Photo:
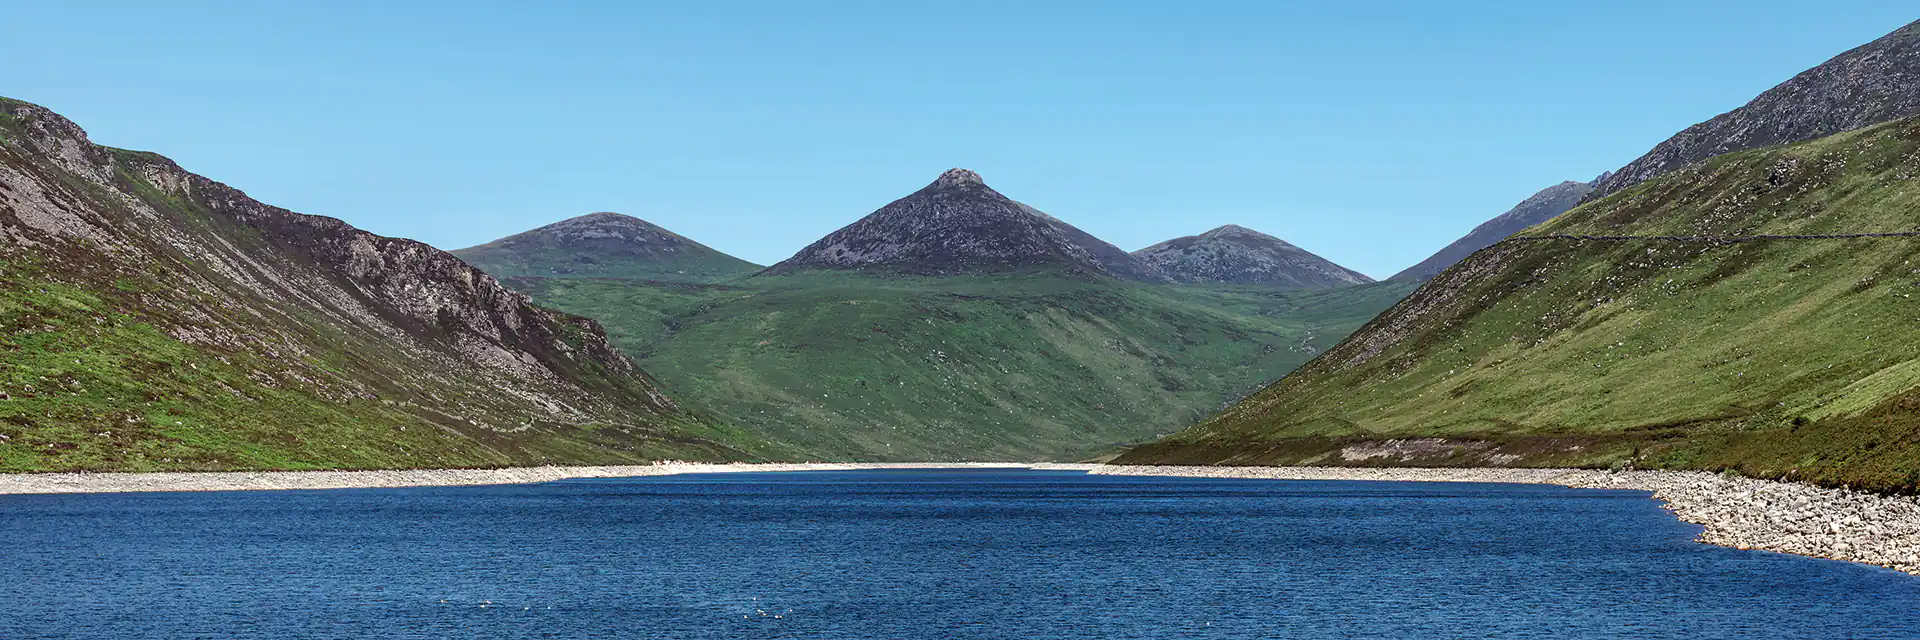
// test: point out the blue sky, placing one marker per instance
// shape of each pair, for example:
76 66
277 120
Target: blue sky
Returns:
1371 133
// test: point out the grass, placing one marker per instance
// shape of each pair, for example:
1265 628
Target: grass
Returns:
1776 358
142 331
840 366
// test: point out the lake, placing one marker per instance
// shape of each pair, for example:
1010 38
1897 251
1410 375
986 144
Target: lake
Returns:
913 554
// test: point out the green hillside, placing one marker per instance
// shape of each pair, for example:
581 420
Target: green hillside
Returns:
153 319
1705 348
847 366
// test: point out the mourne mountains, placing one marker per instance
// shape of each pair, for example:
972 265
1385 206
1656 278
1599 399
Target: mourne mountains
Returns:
956 323
1718 304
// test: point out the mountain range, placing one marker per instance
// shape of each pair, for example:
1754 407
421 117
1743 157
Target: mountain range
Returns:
957 323
1736 299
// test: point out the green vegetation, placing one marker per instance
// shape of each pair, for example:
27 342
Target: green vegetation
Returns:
88 385
148 327
842 366
1773 357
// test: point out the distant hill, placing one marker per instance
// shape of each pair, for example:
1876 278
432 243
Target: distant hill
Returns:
1237 255
959 226
1754 312
1540 207
605 245
1876 82
155 319
837 365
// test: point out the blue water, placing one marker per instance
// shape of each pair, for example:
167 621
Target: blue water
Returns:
912 554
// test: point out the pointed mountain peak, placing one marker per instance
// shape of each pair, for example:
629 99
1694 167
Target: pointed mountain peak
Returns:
957 178
959 226
1238 255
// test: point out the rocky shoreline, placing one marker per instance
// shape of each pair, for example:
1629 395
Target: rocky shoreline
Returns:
1738 512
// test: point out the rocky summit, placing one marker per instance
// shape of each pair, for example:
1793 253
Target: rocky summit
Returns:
605 245
1540 207
155 319
1237 255
958 225
1874 83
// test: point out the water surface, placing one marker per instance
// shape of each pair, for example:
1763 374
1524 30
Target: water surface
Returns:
910 555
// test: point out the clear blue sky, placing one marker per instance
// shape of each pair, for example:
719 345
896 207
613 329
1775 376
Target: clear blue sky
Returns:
1369 132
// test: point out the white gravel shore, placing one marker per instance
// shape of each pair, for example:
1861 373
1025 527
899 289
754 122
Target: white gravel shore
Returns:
280 480
1737 512
1742 513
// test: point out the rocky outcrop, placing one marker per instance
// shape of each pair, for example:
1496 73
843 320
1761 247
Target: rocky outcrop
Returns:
1237 255
366 325
1540 207
601 245
958 225
1877 82
1743 513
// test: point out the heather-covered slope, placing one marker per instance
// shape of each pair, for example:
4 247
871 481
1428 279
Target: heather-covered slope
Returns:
1876 82
1726 316
605 245
154 319
1237 255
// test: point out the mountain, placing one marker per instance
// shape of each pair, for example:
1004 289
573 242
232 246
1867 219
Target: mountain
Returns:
958 225
956 324
155 319
1541 207
1876 82
1237 255
605 245
1754 312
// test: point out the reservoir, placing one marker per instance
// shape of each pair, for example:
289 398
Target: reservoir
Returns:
902 554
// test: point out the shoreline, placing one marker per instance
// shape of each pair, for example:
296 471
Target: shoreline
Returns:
189 481
1737 512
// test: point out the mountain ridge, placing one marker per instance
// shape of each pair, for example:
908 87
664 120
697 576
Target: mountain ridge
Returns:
1537 208
1873 83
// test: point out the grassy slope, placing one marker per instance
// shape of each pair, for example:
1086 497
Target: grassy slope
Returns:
843 366
1790 357
91 380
